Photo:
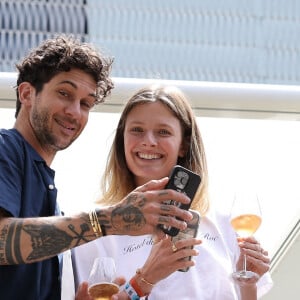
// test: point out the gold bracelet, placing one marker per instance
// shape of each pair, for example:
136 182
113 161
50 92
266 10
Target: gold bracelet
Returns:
99 228
95 223
138 272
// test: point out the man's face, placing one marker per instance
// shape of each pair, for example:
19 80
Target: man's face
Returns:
59 113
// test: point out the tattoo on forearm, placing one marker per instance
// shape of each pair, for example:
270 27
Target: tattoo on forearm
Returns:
17 241
103 220
9 244
46 240
80 236
3 236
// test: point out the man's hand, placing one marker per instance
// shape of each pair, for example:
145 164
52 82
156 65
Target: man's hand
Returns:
143 209
82 292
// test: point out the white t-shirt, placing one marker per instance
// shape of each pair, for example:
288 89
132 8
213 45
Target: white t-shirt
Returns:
209 279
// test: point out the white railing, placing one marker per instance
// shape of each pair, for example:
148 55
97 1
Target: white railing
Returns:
210 99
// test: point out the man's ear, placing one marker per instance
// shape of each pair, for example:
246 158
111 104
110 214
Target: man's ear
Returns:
26 93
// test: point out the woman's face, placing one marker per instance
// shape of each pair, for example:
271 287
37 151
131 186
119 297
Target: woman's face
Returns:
152 141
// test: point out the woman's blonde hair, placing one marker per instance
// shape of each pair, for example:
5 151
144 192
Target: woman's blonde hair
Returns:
118 180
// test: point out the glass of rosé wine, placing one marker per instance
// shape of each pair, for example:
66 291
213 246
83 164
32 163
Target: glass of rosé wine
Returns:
245 218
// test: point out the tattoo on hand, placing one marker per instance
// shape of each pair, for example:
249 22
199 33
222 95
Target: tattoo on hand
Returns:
136 199
128 218
165 207
163 220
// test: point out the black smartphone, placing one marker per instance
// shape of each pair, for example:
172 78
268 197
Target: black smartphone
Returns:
184 181
189 232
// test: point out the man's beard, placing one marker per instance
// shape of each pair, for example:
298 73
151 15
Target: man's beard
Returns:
47 140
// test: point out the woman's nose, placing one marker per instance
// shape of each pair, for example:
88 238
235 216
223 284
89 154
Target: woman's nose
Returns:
149 139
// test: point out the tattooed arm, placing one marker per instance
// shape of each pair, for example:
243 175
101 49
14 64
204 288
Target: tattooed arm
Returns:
27 240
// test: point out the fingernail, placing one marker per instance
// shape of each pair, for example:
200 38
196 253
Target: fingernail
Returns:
191 216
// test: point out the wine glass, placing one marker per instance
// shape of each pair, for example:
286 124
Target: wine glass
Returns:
245 220
101 286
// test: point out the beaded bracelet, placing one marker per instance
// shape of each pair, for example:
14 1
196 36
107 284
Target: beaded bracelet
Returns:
131 292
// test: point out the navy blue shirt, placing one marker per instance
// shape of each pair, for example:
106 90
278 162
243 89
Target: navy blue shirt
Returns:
27 189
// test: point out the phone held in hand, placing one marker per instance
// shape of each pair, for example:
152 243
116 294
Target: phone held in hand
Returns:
189 232
183 181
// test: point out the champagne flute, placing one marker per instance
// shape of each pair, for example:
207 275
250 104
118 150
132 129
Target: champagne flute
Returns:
101 286
245 220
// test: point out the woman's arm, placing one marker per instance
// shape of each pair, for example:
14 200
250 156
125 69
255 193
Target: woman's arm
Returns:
248 292
164 259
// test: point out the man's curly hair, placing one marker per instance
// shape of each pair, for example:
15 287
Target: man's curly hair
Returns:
61 54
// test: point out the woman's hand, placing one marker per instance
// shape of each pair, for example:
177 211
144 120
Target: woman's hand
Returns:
257 262
257 258
120 296
165 258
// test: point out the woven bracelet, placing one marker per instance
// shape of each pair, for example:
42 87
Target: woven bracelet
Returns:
131 292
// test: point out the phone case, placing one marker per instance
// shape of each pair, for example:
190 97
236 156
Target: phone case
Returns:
184 181
190 232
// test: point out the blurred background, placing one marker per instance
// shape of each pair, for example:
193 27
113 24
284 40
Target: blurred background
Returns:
204 40
238 62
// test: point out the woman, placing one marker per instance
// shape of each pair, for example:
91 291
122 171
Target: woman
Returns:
157 130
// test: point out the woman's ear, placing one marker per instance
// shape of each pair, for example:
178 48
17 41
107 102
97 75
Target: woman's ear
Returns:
26 93
183 149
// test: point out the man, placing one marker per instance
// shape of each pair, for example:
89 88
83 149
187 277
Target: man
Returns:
58 84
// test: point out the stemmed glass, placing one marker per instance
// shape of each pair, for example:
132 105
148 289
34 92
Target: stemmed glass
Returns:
101 286
245 220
